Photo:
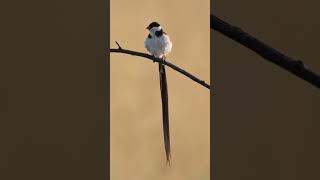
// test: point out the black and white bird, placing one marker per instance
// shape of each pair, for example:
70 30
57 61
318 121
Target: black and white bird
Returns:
159 45
158 42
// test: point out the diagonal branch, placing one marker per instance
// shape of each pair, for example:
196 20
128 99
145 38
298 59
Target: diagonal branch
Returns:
154 59
294 66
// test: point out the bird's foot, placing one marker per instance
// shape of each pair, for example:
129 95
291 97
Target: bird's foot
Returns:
163 59
153 59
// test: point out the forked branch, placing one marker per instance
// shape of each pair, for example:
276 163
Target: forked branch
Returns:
154 59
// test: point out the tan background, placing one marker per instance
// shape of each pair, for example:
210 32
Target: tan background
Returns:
137 150
265 120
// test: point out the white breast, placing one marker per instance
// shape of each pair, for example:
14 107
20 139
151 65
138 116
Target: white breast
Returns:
158 46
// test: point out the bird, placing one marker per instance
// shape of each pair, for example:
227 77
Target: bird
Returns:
158 44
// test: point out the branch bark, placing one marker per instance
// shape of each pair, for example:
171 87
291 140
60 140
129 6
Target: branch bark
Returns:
296 67
154 59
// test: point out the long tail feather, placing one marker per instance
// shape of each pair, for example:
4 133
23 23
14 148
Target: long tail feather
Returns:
165 110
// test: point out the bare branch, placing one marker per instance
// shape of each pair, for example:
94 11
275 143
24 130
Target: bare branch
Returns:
294 66
154 59
119 47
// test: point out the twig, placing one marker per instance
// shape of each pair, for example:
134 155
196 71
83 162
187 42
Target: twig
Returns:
119 47
154 59
294 66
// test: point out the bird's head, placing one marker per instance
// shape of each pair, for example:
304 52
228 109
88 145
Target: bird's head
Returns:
153 27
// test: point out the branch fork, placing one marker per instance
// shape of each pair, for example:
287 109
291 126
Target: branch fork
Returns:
159 60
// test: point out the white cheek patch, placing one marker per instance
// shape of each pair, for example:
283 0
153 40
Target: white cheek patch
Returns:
158 28
154 29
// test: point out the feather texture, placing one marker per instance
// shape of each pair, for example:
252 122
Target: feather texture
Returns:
159 45
165 110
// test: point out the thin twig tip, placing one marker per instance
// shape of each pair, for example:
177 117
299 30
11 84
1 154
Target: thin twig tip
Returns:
119 47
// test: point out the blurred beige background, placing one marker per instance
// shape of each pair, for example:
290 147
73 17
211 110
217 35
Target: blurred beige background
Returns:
137 149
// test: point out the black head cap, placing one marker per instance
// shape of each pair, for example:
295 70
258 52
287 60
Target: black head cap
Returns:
153 24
